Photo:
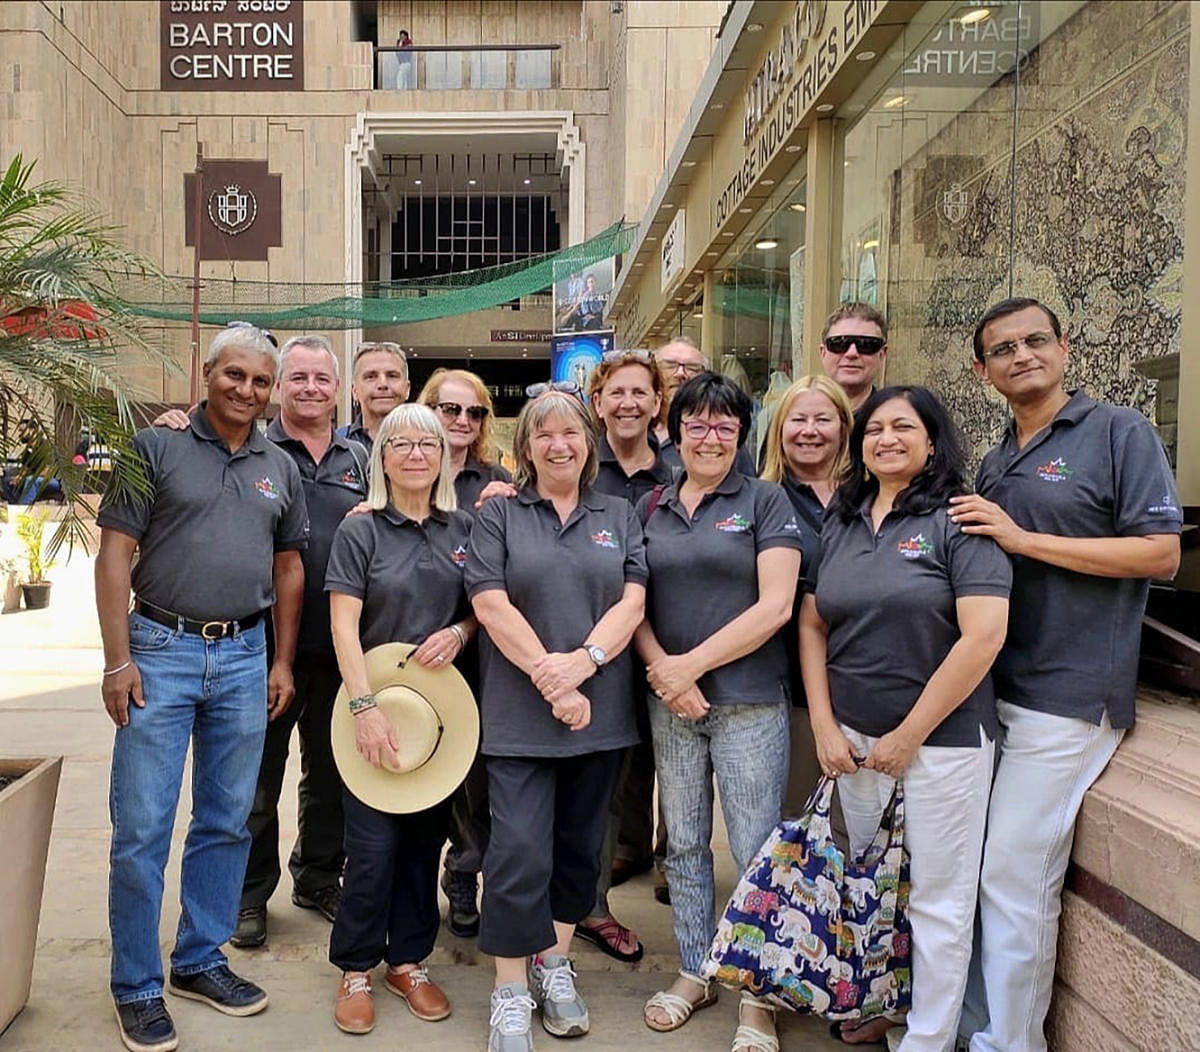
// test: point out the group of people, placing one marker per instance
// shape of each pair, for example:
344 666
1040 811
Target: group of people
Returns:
632 605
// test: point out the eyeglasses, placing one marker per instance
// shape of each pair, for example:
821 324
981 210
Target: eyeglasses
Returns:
698 431
636 354
565 386
865 344
689 369
250 325
452 411
1035 341
429 447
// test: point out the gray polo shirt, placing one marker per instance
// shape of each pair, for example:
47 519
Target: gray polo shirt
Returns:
704 573
1098 470
408 574
889 601
208 535
475 475
810 514
357 433
331 488
562 578
611 477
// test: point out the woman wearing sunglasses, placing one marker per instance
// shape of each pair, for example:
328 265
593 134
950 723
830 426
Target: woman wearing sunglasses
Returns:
464 407
723 551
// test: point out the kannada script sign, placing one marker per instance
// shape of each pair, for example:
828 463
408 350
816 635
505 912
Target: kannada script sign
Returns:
231 45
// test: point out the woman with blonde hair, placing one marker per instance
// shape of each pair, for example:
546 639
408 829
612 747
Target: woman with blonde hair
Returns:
464 406
557 577
395 574
807 453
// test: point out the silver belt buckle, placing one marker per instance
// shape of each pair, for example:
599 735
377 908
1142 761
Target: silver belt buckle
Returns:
221 627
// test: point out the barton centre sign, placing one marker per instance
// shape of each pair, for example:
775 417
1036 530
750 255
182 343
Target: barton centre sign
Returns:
231 45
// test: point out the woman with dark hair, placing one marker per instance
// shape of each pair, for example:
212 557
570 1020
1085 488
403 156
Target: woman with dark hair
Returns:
557 577
896 642
724 557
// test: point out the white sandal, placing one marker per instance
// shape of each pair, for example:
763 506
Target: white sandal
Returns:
749 1038
679 1009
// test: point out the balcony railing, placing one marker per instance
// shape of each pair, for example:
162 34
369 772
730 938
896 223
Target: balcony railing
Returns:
484 67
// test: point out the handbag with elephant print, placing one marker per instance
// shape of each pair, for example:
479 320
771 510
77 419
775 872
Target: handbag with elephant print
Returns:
808 930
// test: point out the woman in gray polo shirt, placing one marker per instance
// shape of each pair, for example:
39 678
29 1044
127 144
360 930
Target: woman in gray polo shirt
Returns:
724 557
907 617
395 575
557 577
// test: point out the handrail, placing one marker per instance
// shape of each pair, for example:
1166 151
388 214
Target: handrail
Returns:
470 47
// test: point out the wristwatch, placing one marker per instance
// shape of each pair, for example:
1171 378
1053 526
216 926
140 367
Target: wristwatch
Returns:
596 653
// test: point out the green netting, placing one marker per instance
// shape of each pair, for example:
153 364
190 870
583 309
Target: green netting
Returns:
293 305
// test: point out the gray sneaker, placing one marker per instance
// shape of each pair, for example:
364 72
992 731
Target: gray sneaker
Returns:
512 1011
552 982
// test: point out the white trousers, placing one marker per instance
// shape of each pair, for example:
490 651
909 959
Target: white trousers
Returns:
1046 765
945 808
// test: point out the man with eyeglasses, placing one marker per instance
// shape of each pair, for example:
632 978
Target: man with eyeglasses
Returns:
210 551
680 361
380 383
1081 495
333 475
854 348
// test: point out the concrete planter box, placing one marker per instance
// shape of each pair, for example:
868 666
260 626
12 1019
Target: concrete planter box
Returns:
26 814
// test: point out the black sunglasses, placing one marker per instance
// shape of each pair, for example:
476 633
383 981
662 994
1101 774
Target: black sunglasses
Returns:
865 344
453 410
250 325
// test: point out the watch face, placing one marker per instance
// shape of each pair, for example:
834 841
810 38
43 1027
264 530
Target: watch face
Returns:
597 654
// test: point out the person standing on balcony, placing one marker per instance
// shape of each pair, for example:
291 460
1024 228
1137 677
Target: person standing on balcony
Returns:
405 70
1081 495
210 551
380 383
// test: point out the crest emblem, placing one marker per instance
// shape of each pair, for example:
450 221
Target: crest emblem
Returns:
955 203
232 209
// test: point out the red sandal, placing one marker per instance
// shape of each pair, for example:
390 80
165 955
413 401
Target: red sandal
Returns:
608 935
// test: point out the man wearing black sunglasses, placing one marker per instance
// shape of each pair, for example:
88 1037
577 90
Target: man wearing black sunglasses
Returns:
854 348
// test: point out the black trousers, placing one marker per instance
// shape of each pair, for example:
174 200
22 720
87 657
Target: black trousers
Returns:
389 908
549 816
470 822
316 860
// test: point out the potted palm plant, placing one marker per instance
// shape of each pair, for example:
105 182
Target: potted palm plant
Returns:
31 531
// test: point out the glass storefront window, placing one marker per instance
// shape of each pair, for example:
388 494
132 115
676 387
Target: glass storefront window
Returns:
1023 148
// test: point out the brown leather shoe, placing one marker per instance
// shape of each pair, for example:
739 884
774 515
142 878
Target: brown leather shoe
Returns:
422 995
354 1010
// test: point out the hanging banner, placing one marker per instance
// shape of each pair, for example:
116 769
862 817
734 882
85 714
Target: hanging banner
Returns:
573 357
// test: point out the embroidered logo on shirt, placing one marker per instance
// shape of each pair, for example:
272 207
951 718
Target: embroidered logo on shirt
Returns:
604 539
350 477
915 547
1166 506
267 488
1055 471
734 524
459 555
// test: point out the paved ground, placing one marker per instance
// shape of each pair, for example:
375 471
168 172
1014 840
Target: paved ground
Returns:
50 704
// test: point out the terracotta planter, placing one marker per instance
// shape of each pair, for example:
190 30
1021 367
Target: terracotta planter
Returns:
26 814
37 595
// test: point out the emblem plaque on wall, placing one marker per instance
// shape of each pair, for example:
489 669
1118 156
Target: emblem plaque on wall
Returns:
240 210
955 202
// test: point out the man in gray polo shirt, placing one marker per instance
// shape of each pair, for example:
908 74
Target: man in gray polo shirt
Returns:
380 383
217 543
1080 494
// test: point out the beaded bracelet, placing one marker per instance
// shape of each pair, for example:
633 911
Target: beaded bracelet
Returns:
357 705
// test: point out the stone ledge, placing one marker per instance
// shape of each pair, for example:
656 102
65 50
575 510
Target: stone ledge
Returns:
1139 827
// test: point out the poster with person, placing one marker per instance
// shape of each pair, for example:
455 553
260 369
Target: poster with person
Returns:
581 297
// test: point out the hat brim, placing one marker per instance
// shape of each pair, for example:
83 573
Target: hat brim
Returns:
444 771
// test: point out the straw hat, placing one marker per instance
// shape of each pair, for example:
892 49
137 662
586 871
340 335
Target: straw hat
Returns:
436 719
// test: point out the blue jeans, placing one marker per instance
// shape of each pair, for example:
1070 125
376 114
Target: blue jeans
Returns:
746 747
212 694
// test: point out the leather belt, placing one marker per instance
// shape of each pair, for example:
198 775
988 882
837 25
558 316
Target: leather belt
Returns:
206 629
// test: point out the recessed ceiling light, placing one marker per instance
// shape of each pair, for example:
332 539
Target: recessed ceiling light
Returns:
416 182
754 27
793 148
651 237
767 182
972 17
865 56
745 211
727 233
639 263
717 106
525 181
470 182
825 107
766 244
697 314
895 102
710 253
666 206
687 164
796 206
